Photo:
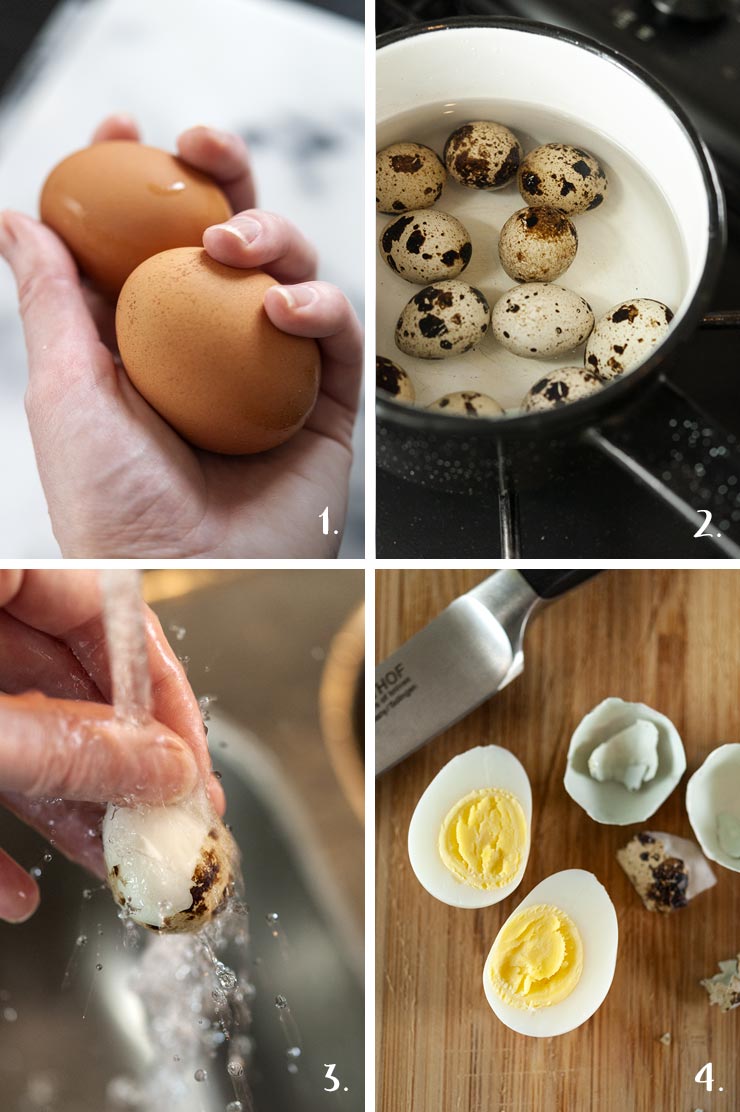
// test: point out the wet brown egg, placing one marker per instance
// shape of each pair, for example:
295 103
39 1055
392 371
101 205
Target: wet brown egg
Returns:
117 203
197 343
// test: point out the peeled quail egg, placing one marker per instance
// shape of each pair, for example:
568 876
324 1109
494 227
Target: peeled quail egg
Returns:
392 379
537 320
559 387
425 246
407 176
467 403
626 335
552 963
537 244
666 871
482 154
713 805
610 768
171 868
470 832
445 319
568 178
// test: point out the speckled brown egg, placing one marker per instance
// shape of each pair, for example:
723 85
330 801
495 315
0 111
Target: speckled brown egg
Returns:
559 387
393 380
537 320
441 320
197 343
565 177
117 203
407 176
426 245
537 244
467 403
482 154
626 336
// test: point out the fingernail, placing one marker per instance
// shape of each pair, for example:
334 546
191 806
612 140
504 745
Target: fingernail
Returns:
246 230
298 297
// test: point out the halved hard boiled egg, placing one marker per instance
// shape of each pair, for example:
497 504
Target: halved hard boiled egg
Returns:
469 836
552 963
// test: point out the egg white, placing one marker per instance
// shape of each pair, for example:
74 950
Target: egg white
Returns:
486 766
580 895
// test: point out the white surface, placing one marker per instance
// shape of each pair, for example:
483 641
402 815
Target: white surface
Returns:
285 75
713 788
648 239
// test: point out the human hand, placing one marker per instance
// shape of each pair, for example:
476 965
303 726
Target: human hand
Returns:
119 481
63 754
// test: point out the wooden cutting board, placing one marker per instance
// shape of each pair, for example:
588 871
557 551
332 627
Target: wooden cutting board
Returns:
670 639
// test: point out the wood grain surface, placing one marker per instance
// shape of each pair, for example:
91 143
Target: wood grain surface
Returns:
670 639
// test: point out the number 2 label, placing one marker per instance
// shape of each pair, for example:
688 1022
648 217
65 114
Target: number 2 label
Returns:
702 530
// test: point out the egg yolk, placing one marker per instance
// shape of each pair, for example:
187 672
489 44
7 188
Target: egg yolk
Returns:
537 959
483 838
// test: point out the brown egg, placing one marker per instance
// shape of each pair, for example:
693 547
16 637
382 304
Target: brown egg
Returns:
115 204
198 345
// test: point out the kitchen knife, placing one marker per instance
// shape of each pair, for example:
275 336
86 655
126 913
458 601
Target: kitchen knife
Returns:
465 655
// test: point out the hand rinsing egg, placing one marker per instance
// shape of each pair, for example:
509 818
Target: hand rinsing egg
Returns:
197 343
552 963
469 836
117 203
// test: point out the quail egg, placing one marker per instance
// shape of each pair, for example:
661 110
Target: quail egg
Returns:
626 335
470 832
713 806
537 244
566 384
552 963
445 319
467 403
407 176
392 379
565 177
482 154
537 320
425 246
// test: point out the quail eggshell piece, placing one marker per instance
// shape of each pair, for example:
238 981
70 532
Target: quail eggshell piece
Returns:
197 343
537 244
626 335
487 766
117 203
467 403
560 387
538 319
482 154
666 871
565 177
586 902
442 320
714 791
408 176
393 380
609 801
425 246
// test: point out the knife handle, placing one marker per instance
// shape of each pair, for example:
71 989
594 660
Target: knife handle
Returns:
552 583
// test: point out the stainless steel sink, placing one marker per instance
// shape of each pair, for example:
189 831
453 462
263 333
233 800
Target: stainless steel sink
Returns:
255 641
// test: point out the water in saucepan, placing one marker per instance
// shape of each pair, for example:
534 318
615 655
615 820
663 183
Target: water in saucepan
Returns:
631 246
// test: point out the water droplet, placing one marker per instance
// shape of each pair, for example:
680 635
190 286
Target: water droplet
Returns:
176 1058
235 1068
87 893
272 917
218 775
99 967
226 977
201 1075
218 996
293 1052
10 1015
234 1106
178 632
46 858
281 1002
81 940
292 1067
35 871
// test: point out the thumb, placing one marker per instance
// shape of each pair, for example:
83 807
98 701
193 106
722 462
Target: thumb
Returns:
79 750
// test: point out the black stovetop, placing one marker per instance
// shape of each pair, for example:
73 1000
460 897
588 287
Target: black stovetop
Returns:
700 64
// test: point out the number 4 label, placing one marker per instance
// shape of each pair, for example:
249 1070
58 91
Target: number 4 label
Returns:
704 1077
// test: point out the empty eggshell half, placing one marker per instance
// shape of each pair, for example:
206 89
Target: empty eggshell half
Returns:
610 801
713 806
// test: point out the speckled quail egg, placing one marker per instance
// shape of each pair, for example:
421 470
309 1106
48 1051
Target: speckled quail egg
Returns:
445 319
425 246
537 320
407 176
467 403
626 335
482 154
537 244
392 379
565 177
566 384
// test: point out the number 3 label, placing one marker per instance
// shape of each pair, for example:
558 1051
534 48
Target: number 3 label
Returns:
329 1075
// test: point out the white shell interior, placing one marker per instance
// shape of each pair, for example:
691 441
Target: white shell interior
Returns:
649 238
609 801
715 787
